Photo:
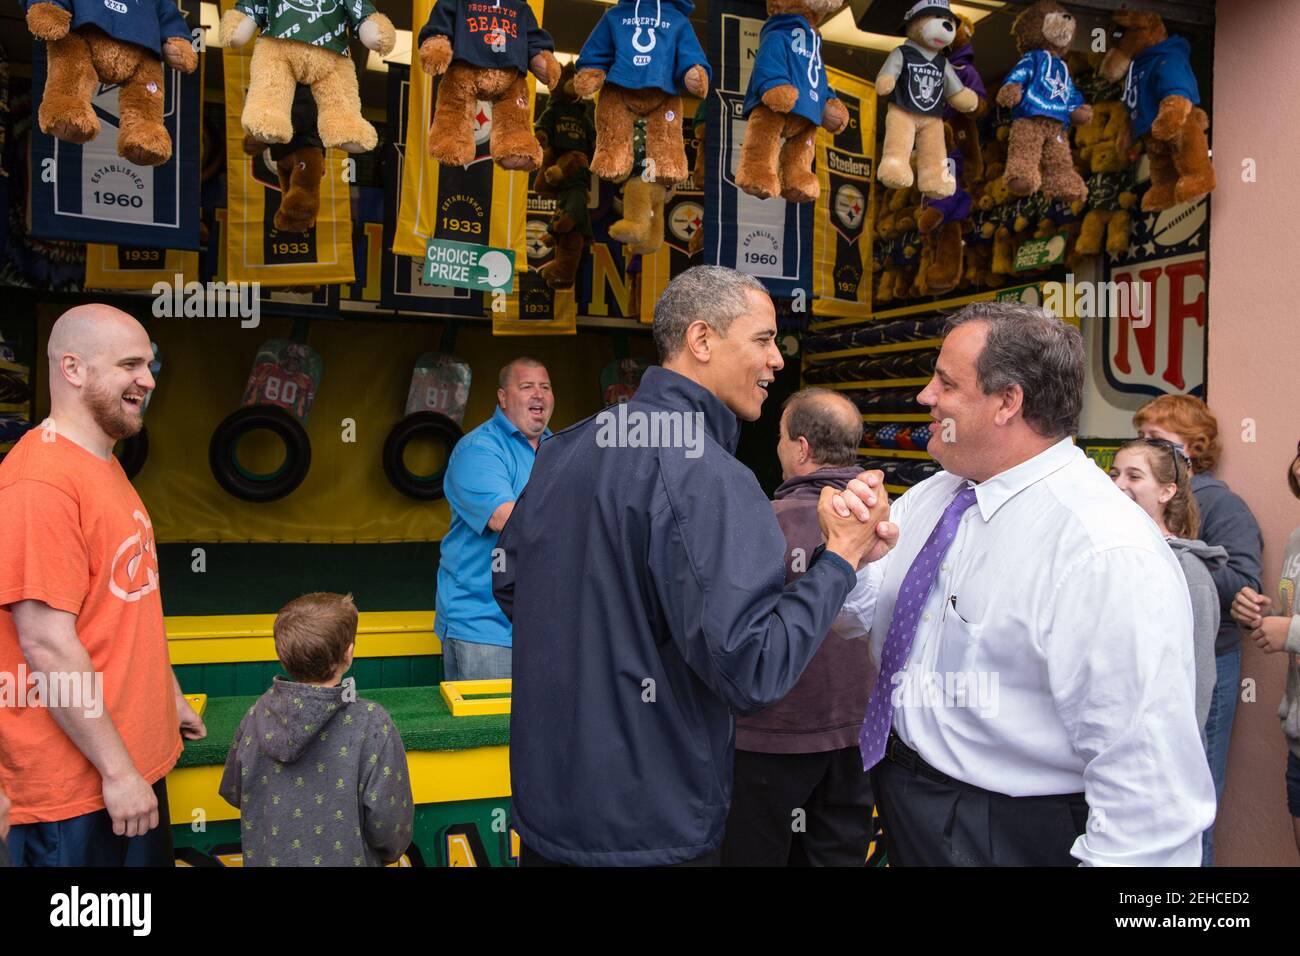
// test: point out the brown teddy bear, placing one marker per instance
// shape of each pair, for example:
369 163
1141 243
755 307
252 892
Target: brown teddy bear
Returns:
787 99
1043 102
299 165
920 79
965 128
642 65
486 51
566 134
88 43
303 44
1161 93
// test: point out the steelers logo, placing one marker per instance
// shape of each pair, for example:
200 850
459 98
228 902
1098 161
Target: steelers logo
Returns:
482 123
533 240
850 206
686 220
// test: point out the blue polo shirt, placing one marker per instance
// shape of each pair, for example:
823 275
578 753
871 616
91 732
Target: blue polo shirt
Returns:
488 467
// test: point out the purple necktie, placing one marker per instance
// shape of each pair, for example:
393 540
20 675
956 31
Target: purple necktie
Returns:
912 596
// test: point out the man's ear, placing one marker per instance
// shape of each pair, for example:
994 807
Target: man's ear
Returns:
1012 402
501 397
698 340
73 369
805 452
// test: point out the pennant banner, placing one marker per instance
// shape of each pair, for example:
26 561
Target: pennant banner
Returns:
89 193
770 238
842 237
136 267
255 250
481 202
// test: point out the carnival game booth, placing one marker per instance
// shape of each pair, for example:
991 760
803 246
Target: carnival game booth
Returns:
328 322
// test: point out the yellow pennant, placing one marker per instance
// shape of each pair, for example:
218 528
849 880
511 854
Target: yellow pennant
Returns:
134 267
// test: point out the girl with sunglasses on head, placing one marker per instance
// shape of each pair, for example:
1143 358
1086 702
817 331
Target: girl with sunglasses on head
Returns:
1156 475
1274 626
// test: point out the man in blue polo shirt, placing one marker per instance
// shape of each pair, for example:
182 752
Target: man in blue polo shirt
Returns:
487 472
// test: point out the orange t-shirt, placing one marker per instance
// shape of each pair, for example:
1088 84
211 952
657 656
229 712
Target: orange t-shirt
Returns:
74 534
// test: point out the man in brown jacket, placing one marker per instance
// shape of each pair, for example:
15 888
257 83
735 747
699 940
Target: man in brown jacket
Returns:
799 795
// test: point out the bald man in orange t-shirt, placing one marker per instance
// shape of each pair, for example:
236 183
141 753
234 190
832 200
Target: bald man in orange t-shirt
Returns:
84 763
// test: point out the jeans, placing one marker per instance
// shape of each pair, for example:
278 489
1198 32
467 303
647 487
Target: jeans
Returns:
89 840
1218 732
468 660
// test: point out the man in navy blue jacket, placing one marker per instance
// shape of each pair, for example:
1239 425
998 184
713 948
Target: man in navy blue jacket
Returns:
644 572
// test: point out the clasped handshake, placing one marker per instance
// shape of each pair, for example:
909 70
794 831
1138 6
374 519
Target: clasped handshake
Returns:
855 521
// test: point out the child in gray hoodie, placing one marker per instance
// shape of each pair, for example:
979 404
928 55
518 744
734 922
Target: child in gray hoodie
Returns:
318 774
1156 475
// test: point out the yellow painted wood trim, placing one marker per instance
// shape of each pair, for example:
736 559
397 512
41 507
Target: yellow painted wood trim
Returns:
898 418
878 383
924 307
437 776
453 694
917 345
241 638
894 453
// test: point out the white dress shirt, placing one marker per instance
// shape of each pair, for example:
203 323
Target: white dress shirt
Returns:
1054 654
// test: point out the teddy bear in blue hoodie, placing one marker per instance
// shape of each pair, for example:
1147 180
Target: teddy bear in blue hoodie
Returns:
642 58
1161 95
787 99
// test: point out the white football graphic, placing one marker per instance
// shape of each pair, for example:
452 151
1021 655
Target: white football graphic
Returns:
1179 223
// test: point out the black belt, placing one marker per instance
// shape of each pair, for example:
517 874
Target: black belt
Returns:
907 758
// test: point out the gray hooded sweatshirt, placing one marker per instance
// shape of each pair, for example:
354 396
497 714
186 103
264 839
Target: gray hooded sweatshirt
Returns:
1287 604
1199 560
318 781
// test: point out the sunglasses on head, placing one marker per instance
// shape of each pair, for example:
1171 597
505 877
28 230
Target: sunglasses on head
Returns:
1175 450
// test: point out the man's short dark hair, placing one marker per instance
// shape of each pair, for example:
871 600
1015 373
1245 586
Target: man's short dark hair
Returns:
716 294
1032 348
830 423
503 377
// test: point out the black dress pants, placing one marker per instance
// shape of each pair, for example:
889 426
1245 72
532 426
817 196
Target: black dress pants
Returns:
930 819
764 827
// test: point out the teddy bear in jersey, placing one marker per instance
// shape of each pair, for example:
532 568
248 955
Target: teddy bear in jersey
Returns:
306 41
642 64
919 80
787 99
89 42
485 51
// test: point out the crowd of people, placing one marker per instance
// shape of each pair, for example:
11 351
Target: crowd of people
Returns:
1022 660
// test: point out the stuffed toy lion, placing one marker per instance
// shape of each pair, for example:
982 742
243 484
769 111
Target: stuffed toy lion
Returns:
308 44
1161 93
485 51
89 42
787 99
641 65
920 79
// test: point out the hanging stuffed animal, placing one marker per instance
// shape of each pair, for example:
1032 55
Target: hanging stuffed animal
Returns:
87 43
299 164
1161 94
486 51
641 227
1044 102
941 222
303 44
567 136
965 126
921 79
698 131
642 65
787 99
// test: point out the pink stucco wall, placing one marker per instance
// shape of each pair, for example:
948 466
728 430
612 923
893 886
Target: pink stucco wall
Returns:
1254 373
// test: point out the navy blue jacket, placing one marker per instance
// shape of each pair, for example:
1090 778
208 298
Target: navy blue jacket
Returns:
145 23
647 590
496 35
1156 72
790 52
1226 521
645 45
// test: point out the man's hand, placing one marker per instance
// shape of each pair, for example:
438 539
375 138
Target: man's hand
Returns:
854 521
1270 636
131 804
192 727
1249 608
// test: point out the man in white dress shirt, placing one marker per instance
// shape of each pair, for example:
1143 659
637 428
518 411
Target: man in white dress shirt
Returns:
1035 703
